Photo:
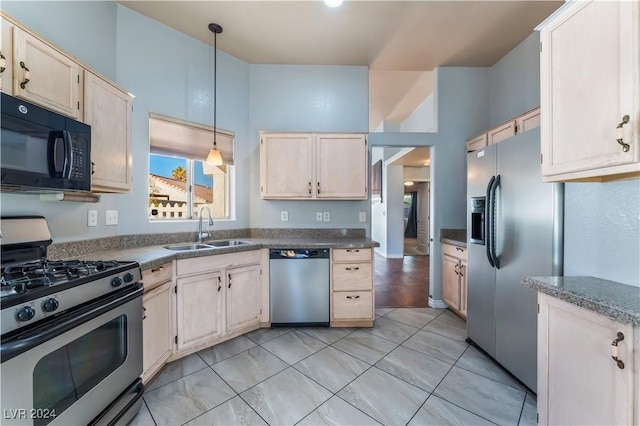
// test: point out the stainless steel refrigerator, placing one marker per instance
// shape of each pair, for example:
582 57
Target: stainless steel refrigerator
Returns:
514 223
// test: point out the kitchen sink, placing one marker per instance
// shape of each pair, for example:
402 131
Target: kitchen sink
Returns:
189 246
228 243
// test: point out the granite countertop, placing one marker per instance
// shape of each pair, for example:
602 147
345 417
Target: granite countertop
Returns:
617 301
155 255
457 237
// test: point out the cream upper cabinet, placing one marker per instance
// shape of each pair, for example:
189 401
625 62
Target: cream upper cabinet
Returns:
313 166
527 121
502 132
286 166
244 297
589 78
579 383
199 308
341 166
6 56
108 112
45 76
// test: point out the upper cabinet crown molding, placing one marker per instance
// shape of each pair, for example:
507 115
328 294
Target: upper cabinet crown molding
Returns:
312 166
589 82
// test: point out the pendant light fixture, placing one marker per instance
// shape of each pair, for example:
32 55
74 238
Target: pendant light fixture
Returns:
215 158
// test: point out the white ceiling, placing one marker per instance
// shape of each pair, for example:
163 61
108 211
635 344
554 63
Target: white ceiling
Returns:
389 36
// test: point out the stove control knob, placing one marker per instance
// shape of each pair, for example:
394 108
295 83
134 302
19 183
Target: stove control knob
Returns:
116 282
128 277
25 314
50 304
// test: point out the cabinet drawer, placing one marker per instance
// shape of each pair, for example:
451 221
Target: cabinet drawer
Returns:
214 262
352 276
351 255
352 305
158 275
454 251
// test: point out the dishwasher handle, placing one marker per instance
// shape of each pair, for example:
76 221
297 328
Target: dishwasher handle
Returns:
291 254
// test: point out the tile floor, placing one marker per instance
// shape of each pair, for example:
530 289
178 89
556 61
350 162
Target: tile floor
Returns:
413 367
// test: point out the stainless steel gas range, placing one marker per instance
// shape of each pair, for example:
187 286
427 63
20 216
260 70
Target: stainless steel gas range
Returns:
71 343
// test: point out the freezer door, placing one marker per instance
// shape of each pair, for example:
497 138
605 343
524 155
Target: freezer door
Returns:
524 245
481 276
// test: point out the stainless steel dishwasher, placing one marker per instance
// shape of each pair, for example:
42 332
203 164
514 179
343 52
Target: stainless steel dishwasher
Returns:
299 281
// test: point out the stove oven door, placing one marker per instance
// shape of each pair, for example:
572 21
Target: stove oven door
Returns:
77 367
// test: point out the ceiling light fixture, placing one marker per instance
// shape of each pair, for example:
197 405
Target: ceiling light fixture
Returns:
333 3
408 183
215 158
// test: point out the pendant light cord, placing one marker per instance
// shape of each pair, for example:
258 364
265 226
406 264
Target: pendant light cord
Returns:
215 87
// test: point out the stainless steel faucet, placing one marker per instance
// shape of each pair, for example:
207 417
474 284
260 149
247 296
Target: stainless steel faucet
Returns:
200 233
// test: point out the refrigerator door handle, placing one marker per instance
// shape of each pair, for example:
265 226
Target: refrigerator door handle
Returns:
488 222
492 237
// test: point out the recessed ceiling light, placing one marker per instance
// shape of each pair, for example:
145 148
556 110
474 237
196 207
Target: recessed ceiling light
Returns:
333 3
408 183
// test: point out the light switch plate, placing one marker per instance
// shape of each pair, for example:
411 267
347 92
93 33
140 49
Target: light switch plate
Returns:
92 218
284 216
112 217
326 216
362 217
318 216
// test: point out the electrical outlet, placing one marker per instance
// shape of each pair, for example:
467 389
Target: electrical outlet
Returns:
112 217
362 217
92 218
326 216
318 216
284 216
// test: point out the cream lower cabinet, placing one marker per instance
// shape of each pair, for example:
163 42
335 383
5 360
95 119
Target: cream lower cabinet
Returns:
218 297
108 112
589 81
454 278
244 297
313 166
579 383
352 296
158 320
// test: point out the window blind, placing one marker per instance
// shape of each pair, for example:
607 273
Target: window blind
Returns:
175 137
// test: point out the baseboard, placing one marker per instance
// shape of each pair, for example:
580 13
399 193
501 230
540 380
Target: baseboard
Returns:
394 256
438 304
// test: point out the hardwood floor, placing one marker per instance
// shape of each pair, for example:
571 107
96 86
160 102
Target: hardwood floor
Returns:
402 282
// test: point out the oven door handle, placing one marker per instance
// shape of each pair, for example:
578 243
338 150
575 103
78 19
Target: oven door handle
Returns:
23 342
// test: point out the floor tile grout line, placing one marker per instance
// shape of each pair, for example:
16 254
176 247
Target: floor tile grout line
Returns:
149 410
489 378
173 381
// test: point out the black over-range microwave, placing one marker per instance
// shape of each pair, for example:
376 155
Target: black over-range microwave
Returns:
42 151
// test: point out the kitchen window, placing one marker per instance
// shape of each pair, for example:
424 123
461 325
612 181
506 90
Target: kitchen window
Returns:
180 181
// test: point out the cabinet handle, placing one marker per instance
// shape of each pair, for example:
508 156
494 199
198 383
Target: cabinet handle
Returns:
229 276
353 269
614 350
309 188
93 167
620 136
219 283
456 269
27 75
318 188
144 313
459 249
3 63
353 297
158 269
353 251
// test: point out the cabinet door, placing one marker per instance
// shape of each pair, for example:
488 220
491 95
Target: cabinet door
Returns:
107 111
286 168
54 79
200 304
157 328
578 381
477 143
6 58
450 282
244 291
527 121
502 132
589 81
462 269
341 162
